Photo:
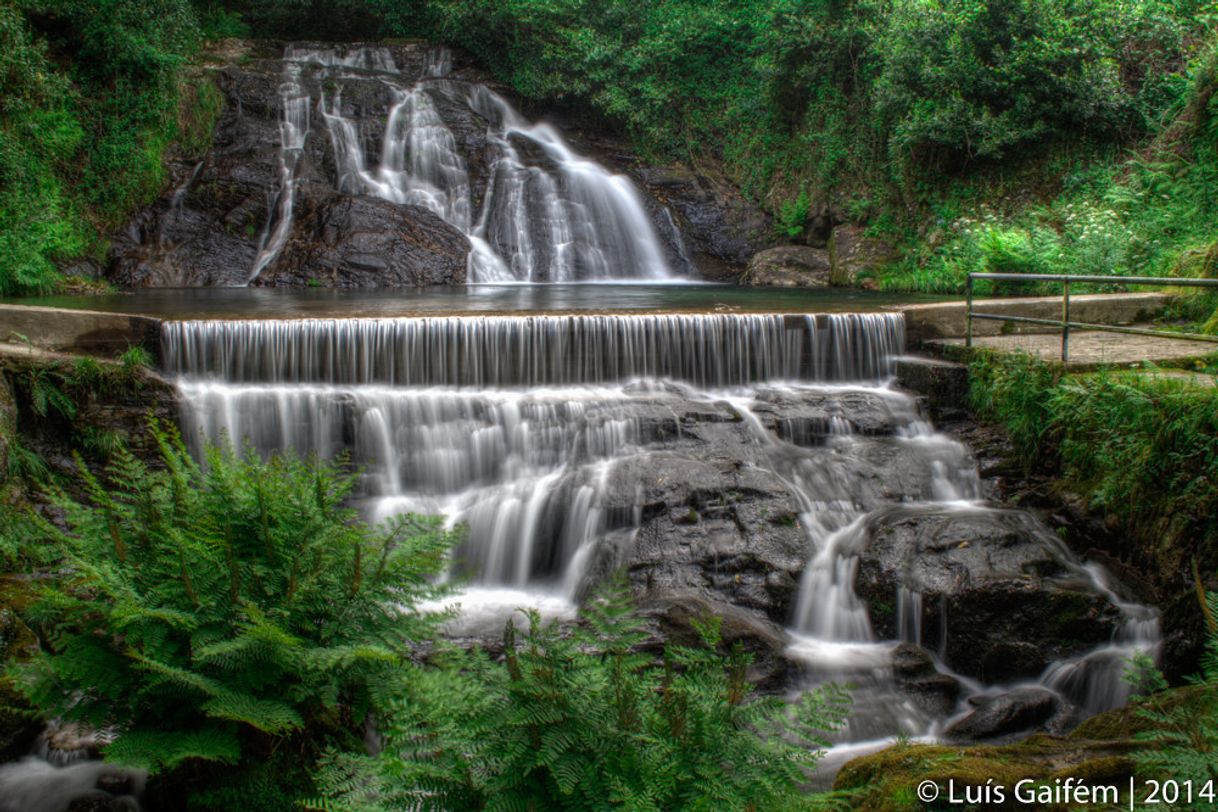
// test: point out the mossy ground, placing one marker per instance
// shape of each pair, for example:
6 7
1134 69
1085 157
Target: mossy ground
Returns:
1098 752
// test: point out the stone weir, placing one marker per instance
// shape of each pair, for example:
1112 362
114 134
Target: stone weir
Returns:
512 351
759 467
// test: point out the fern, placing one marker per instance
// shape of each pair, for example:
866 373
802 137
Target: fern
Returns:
1183 736
215 614
583 718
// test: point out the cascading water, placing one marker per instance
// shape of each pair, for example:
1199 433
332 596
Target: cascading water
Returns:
546 214
524 428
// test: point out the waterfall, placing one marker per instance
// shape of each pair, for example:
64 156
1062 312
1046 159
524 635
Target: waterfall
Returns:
536 435
508 425
548 214
293 130
501 351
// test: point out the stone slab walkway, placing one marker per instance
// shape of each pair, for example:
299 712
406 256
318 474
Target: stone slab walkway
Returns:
1089 350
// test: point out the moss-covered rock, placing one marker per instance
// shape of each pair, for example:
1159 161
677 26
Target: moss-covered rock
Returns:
1100 752
19 722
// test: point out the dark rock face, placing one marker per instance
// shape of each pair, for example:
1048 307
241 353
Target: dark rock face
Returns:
915 674
347 241
209 228
721 228
1016 711
996 580
789 266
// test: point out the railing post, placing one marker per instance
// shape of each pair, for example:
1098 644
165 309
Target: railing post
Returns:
968 315
1065 320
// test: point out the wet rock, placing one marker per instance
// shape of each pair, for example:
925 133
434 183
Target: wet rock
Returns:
855 253
347 241
721 228
1016 711
995 579
806 418
944 384
676 613
712 526
789 266
916 675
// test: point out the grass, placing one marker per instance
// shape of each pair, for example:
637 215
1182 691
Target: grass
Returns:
1141 448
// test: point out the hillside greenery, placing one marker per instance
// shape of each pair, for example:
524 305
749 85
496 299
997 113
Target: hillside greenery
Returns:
973 134
92 94
1143 448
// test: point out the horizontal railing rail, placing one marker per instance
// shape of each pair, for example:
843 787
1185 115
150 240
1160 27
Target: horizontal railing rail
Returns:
1065 323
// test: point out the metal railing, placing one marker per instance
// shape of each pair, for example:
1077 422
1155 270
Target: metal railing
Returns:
1065 323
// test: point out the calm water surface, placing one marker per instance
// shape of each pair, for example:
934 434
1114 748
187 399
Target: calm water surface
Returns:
270 303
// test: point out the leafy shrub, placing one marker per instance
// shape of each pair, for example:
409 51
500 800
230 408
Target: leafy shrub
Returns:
585 720
220 613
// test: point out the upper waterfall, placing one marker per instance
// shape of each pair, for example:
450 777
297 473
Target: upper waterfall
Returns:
539 212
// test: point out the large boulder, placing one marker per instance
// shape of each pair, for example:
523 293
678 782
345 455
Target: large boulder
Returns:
789 266
1013 712
997 581
854 253
348 241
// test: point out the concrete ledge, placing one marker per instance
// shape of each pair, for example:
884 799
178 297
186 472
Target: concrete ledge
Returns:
64 330
924 322
944 384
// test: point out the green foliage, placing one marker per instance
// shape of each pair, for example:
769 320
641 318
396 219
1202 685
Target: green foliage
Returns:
1016 391
793 215
1151 214
585 719
218 613
134 359
89 102
1142 448
1183 739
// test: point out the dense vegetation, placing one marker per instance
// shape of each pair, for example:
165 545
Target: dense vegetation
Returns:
976 134
588 719
1141 448
92 94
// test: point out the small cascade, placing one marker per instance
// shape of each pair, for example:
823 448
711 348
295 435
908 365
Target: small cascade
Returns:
1096 681
293 130
547 214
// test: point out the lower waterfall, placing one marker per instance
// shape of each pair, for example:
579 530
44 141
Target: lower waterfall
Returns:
557 440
